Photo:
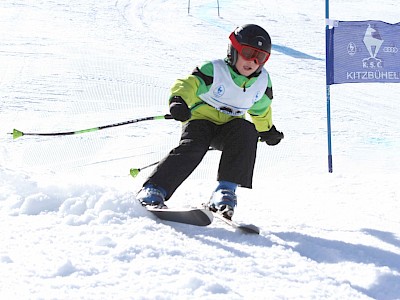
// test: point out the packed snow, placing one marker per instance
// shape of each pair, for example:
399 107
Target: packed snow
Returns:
70 225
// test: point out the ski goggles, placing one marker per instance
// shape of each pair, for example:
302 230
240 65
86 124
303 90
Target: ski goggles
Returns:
248 52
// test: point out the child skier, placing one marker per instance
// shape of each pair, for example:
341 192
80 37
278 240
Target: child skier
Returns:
212 103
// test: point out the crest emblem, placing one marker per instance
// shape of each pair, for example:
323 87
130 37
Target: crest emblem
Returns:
219 91
373 42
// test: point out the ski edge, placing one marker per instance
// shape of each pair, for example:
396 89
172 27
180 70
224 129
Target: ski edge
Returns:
176 215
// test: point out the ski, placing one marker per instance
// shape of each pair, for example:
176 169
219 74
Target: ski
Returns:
192 216
246 228
198 217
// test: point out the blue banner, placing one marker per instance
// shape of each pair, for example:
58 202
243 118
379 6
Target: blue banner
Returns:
363 51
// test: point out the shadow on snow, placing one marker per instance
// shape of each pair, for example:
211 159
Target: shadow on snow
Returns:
321 250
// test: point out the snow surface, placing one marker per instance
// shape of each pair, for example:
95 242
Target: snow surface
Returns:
70 226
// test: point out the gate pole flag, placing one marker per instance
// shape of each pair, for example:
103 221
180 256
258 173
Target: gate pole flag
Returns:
360 52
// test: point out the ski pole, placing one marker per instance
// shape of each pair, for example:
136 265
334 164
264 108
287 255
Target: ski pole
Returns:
18 133
135 171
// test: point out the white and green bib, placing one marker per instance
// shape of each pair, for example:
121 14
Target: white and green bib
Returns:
229 98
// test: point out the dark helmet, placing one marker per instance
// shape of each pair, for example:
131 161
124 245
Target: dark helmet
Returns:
250 35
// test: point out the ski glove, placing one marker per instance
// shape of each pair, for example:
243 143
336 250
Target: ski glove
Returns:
271 137
179 109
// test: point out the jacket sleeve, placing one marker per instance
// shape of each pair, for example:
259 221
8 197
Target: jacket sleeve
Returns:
263 122
187 89
261 111
197 83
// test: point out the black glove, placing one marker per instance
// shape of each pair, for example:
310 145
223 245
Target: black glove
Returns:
271 137
179 109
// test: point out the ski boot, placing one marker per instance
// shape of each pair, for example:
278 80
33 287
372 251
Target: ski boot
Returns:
223 202
150 195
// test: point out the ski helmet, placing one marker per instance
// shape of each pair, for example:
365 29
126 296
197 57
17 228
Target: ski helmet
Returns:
253 36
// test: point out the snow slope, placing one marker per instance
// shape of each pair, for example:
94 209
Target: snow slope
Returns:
70 226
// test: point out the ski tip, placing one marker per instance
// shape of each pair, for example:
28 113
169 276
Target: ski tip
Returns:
251 229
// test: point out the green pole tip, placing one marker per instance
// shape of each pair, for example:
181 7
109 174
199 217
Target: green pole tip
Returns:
17 133
134 172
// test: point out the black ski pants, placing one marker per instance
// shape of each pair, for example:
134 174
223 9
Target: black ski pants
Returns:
236 139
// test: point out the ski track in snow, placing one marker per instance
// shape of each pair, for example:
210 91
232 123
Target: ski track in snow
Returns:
71 228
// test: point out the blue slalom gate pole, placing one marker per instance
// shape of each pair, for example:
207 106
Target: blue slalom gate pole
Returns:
328 90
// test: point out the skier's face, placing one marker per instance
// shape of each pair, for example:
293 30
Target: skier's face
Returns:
246 67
